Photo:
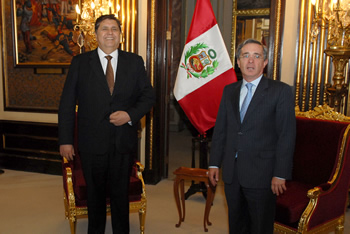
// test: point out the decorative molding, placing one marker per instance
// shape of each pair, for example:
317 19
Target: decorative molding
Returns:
276 48
253 12
152 58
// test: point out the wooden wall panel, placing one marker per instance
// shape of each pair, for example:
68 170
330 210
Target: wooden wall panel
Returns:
30 147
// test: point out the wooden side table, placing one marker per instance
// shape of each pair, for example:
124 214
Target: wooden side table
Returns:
193 174
203 142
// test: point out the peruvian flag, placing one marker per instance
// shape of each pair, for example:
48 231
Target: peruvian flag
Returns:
205 69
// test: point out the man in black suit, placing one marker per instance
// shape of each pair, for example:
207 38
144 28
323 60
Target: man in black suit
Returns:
255 149
108 116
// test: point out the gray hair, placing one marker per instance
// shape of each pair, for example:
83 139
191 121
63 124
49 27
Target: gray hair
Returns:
250 41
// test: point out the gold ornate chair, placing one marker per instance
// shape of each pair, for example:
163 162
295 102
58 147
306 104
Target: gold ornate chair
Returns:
74 195
317 196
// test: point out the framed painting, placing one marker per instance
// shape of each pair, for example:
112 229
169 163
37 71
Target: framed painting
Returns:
43 33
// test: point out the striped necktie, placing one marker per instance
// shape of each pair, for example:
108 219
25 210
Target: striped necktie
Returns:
110 74
247 100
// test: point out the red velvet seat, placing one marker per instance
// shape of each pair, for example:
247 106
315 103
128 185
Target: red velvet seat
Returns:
75 192
316 198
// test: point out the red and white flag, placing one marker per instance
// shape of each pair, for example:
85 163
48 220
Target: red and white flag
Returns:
205 69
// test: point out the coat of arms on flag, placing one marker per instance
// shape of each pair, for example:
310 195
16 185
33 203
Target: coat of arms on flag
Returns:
199 61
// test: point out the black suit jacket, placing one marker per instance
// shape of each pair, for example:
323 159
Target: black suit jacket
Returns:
264 142
86 86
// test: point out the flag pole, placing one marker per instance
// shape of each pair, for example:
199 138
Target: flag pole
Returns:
204 70
203 151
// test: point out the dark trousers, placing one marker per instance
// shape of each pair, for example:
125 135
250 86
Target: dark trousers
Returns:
250 210
107 173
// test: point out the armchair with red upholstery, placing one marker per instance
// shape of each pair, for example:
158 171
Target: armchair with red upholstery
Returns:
317 196
74 195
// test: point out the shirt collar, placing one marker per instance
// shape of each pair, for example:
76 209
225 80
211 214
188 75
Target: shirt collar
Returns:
254 82
102 54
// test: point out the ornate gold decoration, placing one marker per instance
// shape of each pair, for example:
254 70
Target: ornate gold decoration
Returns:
314 193
305 217
325 228
276 49
87 13
152 67
72 212
253 12
314 70
339 89
334 15
300 53
90 10
322 112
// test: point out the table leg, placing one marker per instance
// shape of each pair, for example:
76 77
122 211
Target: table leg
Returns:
209 202
177 199
182 191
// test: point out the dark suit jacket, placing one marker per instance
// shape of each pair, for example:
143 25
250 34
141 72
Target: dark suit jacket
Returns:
264 142
86 86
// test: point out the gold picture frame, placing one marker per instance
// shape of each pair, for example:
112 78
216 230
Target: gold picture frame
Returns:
276 18
42 36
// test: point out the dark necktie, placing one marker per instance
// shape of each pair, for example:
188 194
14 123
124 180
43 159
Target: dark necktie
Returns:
247 100
110 74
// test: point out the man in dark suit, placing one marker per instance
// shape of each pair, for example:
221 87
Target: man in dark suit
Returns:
108 116
255 149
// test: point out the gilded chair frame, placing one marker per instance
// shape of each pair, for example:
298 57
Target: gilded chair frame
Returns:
72 213
326 113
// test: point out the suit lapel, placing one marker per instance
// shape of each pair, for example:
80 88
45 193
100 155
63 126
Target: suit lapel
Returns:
122 73
96 66
235 100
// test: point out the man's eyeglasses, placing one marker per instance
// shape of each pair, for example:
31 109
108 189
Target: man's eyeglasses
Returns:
252 56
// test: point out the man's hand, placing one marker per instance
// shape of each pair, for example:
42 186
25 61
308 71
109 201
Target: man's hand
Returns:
119 118
278 186
214 176
67 151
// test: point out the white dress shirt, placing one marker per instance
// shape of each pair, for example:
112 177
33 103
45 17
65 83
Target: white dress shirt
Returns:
114 61
244 90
